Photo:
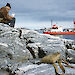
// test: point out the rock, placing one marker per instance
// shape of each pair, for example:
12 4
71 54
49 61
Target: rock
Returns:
42 69
70 44
19 47
70 55
70 50
11 46
2 72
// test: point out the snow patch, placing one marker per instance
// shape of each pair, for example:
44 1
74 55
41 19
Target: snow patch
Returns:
26 68
4 44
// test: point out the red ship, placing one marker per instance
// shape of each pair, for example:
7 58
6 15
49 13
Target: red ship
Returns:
58 30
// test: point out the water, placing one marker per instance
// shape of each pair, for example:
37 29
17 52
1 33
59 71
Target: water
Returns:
72 37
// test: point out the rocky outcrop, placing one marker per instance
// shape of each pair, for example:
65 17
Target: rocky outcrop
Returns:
20 48
47 43
70 51
11 46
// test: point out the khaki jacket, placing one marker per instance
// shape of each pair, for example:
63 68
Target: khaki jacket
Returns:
4 15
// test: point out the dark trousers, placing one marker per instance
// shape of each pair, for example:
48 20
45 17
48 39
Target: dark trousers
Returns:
11 23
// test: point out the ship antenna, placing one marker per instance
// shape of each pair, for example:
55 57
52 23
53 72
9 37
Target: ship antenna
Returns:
51 23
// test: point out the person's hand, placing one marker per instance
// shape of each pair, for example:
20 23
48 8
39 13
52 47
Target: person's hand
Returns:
13 14
11 17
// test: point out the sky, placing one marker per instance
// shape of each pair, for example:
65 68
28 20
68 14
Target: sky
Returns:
34 14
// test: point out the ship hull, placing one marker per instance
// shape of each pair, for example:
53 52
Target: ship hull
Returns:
60 33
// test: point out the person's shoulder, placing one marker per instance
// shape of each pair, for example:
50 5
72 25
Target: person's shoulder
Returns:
3 8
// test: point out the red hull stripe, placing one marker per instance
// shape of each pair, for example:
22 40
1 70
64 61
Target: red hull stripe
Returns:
59 33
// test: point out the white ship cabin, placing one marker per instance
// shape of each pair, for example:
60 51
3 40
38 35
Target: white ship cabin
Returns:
54 29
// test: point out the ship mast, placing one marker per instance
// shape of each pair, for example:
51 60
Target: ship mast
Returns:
51 23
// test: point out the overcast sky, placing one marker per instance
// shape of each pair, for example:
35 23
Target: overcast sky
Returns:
42 10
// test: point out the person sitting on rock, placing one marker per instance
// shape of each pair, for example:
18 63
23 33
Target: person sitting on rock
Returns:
4 16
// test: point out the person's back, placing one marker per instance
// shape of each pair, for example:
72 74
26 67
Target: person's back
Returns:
1 15
4 16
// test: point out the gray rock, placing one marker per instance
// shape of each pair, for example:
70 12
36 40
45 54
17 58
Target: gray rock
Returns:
70 55
11 46
18 50
43 69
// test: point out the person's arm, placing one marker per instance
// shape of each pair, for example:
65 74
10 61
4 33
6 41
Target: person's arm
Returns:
8 17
